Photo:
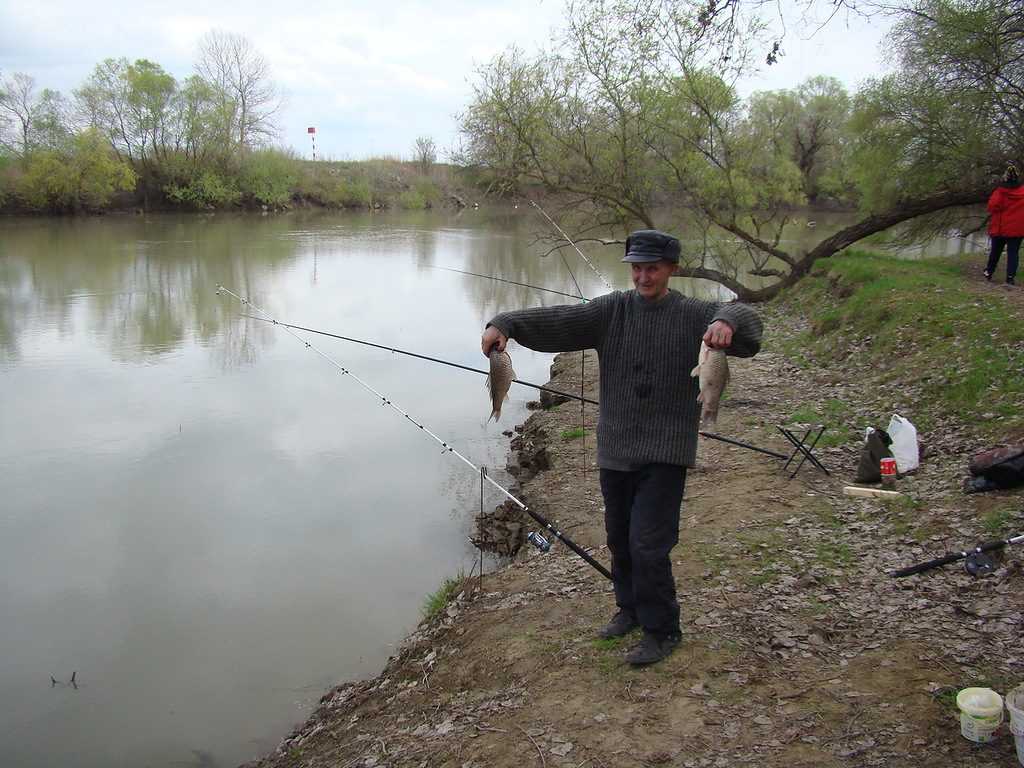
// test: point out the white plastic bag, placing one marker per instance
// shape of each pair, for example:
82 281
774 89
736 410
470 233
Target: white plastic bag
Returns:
904 444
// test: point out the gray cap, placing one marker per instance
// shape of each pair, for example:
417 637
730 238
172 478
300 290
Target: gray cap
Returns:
646 245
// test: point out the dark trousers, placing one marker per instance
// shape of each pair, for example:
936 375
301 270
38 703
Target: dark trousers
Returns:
641 519
1012 245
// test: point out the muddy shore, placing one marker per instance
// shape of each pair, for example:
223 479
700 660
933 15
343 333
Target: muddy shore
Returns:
798 648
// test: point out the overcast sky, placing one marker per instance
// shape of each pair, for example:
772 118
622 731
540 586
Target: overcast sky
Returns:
371 76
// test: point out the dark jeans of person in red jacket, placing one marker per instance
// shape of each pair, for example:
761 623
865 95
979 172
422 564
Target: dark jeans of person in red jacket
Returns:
1012 245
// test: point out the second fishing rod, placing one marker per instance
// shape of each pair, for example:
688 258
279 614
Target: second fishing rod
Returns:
447 447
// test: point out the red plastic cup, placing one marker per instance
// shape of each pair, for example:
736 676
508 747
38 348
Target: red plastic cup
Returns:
888 468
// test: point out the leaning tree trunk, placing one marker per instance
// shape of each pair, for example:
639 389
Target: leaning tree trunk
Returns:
798 268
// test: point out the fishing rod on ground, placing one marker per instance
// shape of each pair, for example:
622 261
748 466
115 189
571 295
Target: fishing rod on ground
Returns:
481 371
976 561
446 447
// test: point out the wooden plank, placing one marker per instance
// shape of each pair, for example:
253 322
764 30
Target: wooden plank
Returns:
856 490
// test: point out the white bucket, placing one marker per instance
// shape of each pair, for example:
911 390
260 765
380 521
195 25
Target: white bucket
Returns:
981 713
1015 703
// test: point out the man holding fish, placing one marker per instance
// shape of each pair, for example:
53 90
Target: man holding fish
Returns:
648 342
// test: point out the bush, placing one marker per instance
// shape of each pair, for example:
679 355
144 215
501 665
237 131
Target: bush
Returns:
428 190
7 178
411 200
85 174
269 177
209 189
335 187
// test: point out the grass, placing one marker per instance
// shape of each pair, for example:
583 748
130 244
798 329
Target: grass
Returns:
436 601
914 323
609 660
834 554
574 433
610 643
1001 522
765 559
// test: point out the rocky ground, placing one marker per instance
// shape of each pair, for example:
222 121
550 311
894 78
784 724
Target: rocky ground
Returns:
799 648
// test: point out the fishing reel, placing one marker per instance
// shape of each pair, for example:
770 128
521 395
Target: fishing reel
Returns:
538 541
979 564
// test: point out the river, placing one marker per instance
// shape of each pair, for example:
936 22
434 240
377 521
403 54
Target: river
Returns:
202 519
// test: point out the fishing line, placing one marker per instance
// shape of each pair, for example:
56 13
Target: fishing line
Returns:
583 372
413 354
513 282
570 241
446 448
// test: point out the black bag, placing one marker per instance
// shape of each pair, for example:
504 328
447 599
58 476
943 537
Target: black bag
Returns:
996 469
876 448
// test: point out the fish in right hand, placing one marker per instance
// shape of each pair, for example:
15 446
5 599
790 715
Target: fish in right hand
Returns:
713 371
499 381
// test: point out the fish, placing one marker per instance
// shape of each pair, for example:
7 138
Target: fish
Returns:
499 381
712 370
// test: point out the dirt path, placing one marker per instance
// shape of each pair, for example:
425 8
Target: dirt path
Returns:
798 649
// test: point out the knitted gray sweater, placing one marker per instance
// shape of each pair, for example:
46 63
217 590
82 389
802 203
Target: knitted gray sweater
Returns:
646 349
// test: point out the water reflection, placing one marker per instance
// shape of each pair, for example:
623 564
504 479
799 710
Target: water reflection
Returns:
147 285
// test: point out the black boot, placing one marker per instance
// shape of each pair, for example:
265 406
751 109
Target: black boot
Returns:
652 648
621 624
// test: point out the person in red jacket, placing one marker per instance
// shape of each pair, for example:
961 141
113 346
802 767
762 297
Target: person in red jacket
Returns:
1006 227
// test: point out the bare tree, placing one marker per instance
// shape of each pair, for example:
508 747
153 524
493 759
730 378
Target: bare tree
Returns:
249 99
17 104
425 154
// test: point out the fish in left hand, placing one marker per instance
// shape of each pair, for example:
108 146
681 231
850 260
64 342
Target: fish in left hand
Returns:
499 381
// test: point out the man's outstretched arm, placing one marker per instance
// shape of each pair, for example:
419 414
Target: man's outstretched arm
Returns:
564 328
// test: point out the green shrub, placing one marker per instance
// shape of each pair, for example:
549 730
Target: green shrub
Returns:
7 178
428 190
411 200
84 174
209 189
268 177
357 194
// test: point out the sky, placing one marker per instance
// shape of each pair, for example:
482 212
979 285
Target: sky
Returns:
371 77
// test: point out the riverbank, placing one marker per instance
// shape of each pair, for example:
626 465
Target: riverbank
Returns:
260 180
798 648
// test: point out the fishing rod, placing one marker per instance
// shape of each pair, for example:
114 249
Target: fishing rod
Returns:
977 562
446 448
560 393
513 282
570 241
410 354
